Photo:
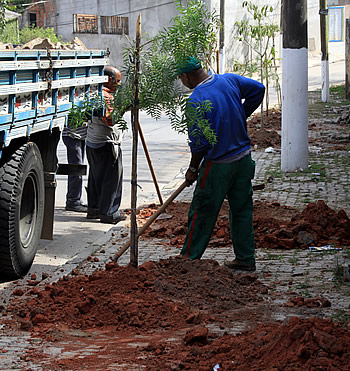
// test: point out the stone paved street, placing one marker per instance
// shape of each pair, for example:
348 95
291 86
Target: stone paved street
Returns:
304 272
284 272
327 178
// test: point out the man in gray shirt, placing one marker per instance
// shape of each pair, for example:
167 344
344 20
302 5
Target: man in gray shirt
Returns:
105 159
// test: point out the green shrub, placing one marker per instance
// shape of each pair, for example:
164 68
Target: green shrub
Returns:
29 33
10 33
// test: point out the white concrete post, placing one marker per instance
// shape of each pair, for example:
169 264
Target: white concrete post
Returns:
324 50
325 80
294 144
222 60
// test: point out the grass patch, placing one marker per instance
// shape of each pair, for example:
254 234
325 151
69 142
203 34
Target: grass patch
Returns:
274 257
294 261
338 91
317 172
341 316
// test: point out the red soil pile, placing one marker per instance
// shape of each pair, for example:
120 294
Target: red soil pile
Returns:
265 135
316 225
158 295
276 226
166 316
323 132
312 344
272 120
263 138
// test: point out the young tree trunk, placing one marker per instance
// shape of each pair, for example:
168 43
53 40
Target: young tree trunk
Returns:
262 75
134 124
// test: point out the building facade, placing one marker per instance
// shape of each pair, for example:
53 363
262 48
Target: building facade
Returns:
102 24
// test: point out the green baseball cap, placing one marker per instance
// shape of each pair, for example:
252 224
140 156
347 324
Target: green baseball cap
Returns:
187 65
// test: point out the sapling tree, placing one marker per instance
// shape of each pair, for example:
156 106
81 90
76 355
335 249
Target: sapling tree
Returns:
259 35
193 32
151 73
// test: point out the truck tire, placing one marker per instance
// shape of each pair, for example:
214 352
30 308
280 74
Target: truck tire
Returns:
22 198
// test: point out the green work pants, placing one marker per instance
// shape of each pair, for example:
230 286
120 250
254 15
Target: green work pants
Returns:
215 182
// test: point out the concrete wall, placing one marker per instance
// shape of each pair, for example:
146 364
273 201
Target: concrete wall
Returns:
234 50
157 14
154 16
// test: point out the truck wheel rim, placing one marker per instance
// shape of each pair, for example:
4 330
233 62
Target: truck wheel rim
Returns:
28 209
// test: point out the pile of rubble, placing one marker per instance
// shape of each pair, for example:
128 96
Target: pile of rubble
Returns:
39 43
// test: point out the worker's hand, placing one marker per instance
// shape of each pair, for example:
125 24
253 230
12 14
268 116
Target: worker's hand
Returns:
190 177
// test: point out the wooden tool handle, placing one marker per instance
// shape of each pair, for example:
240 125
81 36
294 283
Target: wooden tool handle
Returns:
157 213
150 220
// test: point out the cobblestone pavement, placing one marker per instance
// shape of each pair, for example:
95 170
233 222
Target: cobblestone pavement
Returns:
326 178
308 274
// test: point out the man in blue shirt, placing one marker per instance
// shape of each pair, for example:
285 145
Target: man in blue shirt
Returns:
227 167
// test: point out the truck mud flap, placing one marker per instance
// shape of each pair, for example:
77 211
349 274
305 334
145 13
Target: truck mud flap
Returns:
49 211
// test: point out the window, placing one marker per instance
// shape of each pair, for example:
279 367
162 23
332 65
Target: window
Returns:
114 25
335 24
85 23
32 20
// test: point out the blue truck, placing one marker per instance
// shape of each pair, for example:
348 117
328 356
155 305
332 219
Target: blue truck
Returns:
37 91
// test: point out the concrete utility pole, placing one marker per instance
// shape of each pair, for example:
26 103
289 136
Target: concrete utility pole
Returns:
294 147
324 51
222 38
347 60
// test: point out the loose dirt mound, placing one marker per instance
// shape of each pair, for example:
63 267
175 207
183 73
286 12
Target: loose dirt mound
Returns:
300 344
158 295
329 130
262 138
266 135
276 226
316 225
168 316
272 120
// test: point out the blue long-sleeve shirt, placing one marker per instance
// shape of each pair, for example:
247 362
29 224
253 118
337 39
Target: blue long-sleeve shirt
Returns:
228 114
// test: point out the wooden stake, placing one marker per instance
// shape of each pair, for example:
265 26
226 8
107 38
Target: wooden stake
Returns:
347 60
148 157
150 221
218 61
134 125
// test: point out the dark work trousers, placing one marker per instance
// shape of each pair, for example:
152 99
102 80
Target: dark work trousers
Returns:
105 179
215 182
75 155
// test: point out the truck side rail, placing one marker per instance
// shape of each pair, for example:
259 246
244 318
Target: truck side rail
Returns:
39 87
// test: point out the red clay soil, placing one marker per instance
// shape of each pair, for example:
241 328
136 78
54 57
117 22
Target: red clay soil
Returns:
272 120
172 315
325 133
266 135
275 226
313 344
165 294
263 138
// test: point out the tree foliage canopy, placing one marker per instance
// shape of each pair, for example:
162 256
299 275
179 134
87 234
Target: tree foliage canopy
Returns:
2 14
18 5
193 32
